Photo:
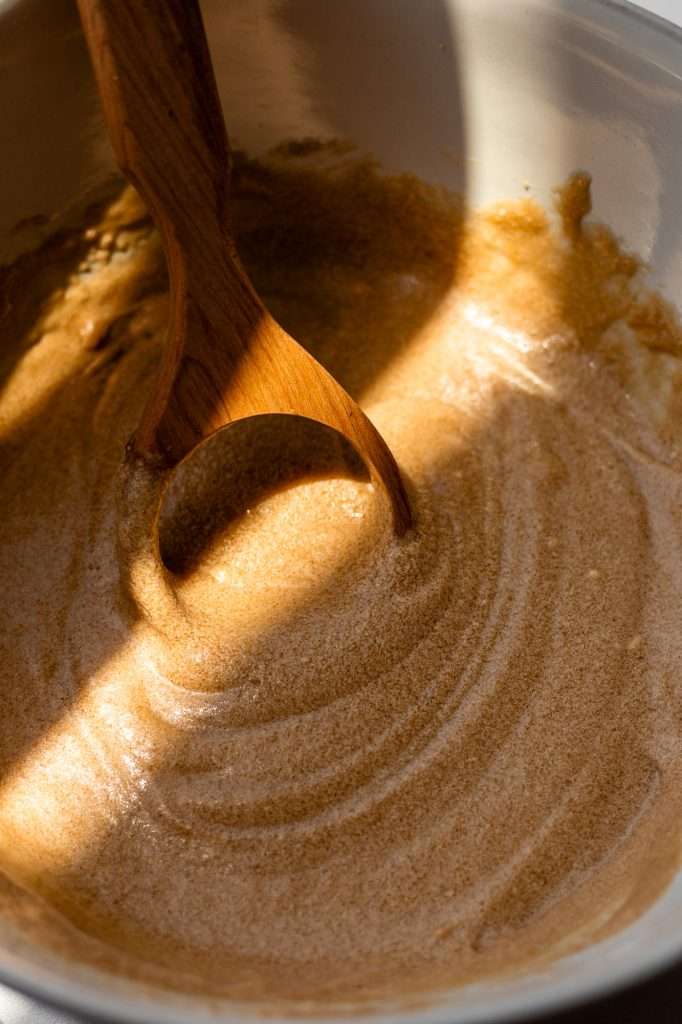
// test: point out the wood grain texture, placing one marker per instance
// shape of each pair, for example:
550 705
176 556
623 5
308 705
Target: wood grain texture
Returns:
225 357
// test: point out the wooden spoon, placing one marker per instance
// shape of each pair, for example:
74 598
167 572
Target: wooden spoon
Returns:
225 357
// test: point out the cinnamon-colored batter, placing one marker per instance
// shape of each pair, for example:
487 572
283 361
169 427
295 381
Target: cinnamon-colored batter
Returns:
306 762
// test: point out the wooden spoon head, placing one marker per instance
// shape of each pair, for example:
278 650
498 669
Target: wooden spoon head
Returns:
220 379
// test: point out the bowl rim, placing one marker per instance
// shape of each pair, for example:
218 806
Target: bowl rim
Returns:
86 998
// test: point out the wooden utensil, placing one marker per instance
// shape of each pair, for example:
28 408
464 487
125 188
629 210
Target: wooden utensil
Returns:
225 357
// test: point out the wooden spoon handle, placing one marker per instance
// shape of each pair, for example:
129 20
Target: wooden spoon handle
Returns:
163 115
175 152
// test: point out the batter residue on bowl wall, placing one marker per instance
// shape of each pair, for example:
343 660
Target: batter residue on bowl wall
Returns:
306 762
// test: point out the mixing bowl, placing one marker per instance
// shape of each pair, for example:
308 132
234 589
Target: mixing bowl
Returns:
492 98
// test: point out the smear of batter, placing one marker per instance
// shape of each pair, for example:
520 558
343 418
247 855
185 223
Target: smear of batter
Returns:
304 762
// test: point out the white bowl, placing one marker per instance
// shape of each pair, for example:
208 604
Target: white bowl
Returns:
486 96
